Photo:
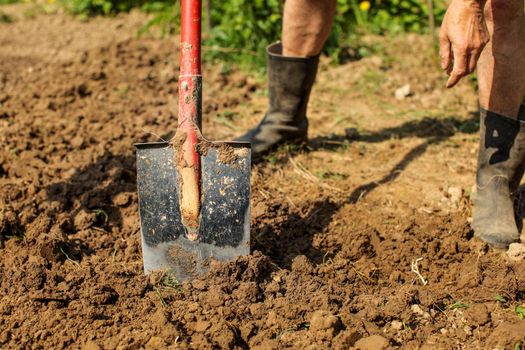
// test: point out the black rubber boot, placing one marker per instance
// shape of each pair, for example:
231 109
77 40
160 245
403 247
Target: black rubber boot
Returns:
290 80
501 162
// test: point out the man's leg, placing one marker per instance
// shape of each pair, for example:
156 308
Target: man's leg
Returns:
292 67
501 161
306 26
501 67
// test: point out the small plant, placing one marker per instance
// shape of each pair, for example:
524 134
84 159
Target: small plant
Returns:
291 148
100 213
161 298
170 280
458 305
328 174
300 326
520 311
500 298
167 286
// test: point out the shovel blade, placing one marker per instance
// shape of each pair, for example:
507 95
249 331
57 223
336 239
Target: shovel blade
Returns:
224 230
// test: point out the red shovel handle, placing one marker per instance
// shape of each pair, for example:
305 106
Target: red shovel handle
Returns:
190 66
190 110
190 38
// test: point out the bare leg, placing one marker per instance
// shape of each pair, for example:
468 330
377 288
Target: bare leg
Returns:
501 67
306 26
501 158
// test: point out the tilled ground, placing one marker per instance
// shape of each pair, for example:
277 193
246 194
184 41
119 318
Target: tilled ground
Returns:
360 239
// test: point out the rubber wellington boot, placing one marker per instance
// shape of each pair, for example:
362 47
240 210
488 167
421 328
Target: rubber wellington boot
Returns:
501 162
290 81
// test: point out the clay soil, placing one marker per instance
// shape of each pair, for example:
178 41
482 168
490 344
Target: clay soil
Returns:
338 226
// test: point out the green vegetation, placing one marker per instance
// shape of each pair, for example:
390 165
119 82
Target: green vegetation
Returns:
520 311
237 31
170 280
101 214
458 305
500 298
4 18
247 32
100 7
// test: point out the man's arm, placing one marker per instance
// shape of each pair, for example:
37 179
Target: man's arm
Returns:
462 38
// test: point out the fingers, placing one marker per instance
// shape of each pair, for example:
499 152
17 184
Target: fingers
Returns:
460 69
473 60
444 52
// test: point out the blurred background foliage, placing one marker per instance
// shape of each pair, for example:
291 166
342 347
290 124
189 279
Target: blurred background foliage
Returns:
237 31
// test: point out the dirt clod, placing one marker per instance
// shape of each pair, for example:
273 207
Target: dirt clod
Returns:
122 199
84 219
477 315
397 325
201 326
91 345
324 324
373 342
516 251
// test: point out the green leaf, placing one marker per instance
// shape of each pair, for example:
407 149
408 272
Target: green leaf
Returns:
520 311
499 298
101 213
458 305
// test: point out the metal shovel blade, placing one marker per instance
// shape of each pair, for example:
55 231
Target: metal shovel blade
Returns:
224 230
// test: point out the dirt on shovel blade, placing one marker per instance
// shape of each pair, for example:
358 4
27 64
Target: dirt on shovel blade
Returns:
224 221
382 188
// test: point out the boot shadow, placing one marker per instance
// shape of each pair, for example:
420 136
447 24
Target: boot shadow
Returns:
430 128
294 236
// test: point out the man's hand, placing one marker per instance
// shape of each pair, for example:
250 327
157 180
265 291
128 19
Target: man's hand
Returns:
462 38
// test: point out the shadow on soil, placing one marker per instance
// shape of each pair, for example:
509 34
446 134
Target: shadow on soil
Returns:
93 188
297 231
283 240
433 129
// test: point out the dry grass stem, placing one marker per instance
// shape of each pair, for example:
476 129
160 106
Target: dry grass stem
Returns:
303 172
414 266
